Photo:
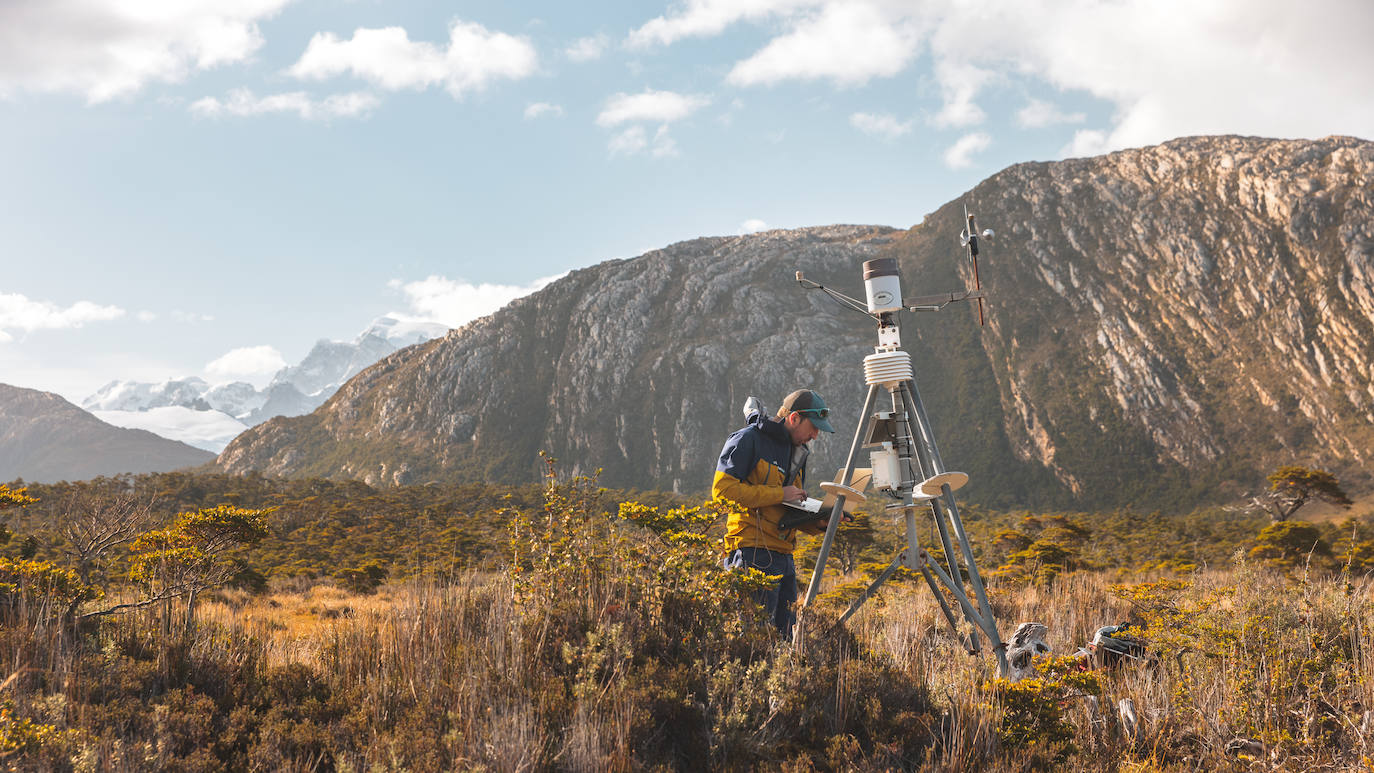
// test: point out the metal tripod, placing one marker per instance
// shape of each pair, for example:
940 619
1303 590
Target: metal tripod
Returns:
913 478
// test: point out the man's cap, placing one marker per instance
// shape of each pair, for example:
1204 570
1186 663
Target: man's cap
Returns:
808 404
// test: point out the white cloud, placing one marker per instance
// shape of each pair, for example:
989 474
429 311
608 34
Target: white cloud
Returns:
538 109
103 49
727 118
242 102
960 154
1172 67
455 302
190 317
880 125
847 42
1165 68
753 225
628 142
146 316
1038 114
587 49
474 58
634 140
707 17
1086 142
21 314
75 374
649 106
959 84
246 363
664 146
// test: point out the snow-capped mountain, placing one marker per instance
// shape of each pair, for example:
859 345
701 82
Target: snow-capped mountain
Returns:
238 399
209 416
136 396
330 363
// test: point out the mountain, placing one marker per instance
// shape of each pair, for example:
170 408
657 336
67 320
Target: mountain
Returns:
1165 325
208 417
44 438
330 363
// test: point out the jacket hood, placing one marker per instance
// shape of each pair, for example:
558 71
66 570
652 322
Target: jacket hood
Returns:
770 426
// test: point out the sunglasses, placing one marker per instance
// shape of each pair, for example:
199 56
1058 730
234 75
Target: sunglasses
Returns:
819 413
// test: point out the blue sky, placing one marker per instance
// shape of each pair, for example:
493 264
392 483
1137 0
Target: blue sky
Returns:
206 187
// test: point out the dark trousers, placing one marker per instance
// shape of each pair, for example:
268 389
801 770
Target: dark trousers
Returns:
776 601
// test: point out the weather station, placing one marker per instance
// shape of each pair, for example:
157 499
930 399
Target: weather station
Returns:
906 474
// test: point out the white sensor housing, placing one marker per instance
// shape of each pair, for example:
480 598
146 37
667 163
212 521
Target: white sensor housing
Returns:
883 286
887 472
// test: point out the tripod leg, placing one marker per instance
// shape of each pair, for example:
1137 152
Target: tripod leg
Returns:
873 588
989 629
935 591
913 397
928 470
837 512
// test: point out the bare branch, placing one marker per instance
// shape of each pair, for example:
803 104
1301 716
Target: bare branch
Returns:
98 521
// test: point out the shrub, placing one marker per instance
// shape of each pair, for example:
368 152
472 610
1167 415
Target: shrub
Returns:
1287 544
1033 724
41 588
26 738
362 579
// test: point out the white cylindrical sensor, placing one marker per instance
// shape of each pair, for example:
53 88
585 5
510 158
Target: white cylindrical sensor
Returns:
883 285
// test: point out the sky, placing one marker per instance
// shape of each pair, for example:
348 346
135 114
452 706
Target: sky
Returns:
207 187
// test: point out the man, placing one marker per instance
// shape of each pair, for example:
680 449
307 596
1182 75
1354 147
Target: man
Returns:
762 466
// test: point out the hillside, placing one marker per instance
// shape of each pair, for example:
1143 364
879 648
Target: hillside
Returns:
1165 325
44 438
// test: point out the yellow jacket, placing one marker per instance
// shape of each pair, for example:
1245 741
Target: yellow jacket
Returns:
750 472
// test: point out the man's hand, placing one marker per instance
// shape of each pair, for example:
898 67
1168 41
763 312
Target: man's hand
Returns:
793 494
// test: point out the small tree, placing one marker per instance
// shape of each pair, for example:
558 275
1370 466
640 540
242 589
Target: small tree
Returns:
192 553
1354 551
1044 547
97 521
852 539
1291 487
364 578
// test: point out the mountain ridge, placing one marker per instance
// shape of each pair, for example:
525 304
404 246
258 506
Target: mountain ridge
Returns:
44 438
1134 313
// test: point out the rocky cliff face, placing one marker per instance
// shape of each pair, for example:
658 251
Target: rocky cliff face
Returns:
1164 324
1207 302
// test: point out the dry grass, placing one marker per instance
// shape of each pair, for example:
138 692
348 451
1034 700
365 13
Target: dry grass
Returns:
1298 678
292 625
609 646
467 653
